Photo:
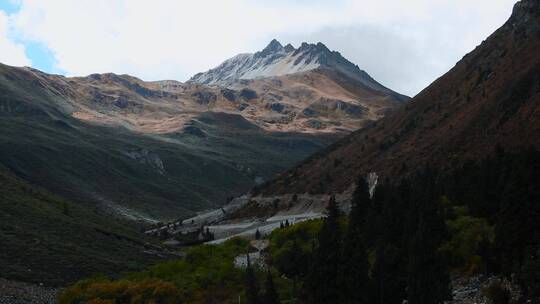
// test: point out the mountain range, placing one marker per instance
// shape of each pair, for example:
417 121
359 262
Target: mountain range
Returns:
115 149
183 147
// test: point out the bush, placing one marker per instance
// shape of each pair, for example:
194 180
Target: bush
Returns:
467 236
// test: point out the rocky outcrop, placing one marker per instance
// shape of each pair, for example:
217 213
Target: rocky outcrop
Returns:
148 158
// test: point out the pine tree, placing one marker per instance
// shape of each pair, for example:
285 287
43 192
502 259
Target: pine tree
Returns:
428 280
355 274
257 235
270 294
252 286
298 264
322 285
385 230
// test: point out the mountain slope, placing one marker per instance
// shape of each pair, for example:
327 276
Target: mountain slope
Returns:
318 101
164 149
491 97
48 239
144 175
350 98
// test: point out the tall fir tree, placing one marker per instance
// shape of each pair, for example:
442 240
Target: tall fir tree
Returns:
322 284
385 228
252 286
428 279
355 279
297 263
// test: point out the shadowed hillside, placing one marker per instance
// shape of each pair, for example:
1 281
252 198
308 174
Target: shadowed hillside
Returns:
491 97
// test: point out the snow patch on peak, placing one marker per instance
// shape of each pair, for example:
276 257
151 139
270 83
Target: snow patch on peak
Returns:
277 60
289 48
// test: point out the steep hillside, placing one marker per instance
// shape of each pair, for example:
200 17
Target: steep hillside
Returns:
491 97
319 101
48 239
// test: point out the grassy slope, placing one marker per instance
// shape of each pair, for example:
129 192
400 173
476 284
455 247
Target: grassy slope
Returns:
47 239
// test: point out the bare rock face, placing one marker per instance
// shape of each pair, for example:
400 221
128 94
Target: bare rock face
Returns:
204 97
148 158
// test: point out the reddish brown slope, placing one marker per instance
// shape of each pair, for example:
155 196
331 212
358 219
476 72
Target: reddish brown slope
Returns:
492 96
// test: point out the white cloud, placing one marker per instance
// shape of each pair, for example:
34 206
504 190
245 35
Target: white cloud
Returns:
403 44
11 53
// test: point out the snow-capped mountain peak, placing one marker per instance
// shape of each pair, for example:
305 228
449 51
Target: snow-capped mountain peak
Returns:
278 60
274 47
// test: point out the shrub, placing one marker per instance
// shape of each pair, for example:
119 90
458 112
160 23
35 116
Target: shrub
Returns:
467 235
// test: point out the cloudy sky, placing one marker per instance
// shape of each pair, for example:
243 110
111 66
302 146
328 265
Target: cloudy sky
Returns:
404 44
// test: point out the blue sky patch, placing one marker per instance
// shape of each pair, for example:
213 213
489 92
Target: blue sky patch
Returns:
41 57
9 6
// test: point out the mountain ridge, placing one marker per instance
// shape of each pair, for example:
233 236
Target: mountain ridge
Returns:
276 60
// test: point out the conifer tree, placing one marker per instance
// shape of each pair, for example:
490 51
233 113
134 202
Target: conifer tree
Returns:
385 223
252 286
428 280
322 285
299 265
355 273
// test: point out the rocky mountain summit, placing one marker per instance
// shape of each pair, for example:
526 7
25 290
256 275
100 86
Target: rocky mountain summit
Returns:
278 60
